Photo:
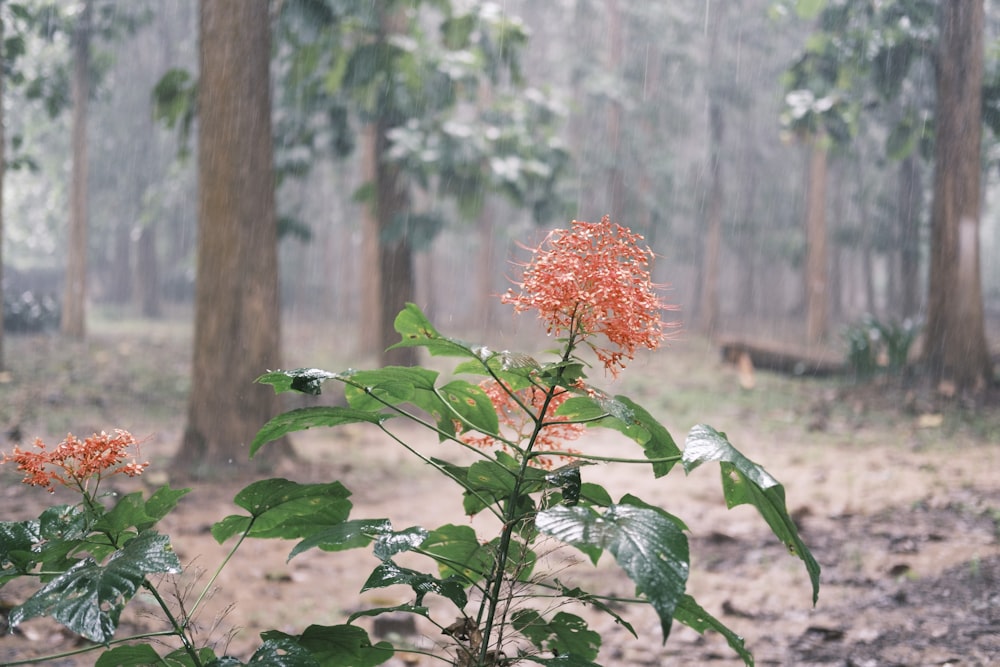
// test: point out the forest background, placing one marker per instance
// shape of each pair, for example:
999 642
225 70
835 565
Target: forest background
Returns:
777 156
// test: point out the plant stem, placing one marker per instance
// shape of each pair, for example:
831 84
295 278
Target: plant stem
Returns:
510 518
87 649
179 630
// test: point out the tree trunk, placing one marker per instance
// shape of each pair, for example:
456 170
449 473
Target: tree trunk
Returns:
3 172
616 174
713 223
236 295
955 345
371 281
816 254
147 273
73 324
910 202
395 255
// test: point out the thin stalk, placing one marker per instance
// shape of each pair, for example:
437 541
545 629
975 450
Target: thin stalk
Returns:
179 630
509 515
609 459
218 570
87 649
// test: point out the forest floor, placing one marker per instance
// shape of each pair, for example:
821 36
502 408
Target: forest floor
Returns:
895 490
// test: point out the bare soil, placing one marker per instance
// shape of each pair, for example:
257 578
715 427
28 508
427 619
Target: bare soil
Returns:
896 491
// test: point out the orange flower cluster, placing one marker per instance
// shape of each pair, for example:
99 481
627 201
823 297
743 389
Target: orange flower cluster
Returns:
74 462
519 424
594 279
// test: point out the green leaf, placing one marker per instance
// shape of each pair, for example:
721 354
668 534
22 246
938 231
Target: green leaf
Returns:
338 645
417 331
283 653
161 503
391 543
567 478
306 418
564 634
18 555
136 655
472 404
745 482
284 509
128 512
630 419
143 655
492 477
597 603
343 536
378 611
691 614
88 598
458 551
305 380
390 574
649 547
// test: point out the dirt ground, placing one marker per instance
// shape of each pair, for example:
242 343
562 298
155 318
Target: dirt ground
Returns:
897 496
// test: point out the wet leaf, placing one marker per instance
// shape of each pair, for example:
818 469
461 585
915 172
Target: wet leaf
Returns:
691 614
565 634
630 419
458 551
745 482
306 418
343 536
649 547
88 598
305 380
390 574
337 645
417 331
280 508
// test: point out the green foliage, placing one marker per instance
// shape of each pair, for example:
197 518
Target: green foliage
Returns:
92 559
875 347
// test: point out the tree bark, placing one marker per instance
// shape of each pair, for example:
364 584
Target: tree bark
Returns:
395 255
910 202
3 173
237 333
370 321
713 223
616 174
955 349
816 276
73 323
395 252
147 273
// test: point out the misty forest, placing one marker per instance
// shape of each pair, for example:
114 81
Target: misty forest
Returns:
198 192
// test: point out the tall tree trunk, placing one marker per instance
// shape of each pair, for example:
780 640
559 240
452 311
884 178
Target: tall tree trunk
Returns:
485 297
147 273
816 276
395 255
236 302
955 345
616 174
3 173
369 340
713 223
910 203
73 324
